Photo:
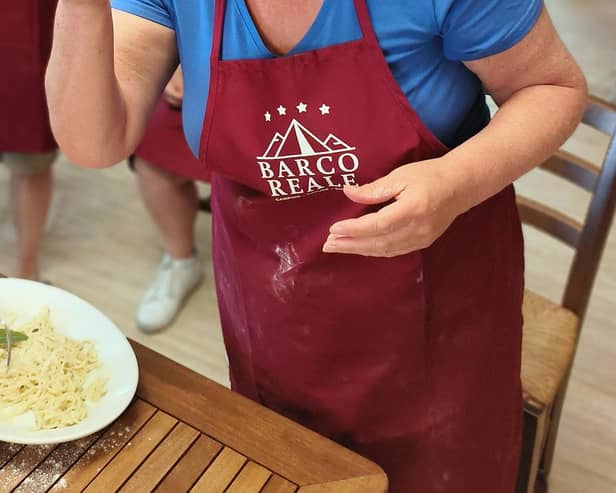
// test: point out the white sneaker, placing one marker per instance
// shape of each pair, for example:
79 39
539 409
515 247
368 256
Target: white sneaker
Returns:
174 282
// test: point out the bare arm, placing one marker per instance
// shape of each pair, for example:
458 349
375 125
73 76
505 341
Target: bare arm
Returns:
104 76
542 95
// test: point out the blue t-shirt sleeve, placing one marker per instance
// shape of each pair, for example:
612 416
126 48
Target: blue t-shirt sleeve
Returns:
473 29
159 11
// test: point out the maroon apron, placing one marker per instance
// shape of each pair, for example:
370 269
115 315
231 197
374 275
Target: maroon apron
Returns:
25 45
164 144
412 361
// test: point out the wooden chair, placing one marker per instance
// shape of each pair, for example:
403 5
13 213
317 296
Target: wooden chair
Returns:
551 331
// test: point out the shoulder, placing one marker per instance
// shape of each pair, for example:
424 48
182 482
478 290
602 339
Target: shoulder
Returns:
404 14
478 28
447 12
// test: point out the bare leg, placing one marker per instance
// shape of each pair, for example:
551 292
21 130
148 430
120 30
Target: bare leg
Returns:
173 205
30 199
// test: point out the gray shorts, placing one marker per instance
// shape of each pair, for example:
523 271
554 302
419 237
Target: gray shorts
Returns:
28 164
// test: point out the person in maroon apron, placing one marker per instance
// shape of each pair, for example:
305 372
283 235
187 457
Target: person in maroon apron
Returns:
408 351
389 356
27 146
167 171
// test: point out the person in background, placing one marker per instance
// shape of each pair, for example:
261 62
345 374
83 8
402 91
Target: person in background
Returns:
367 248
167 170
27 146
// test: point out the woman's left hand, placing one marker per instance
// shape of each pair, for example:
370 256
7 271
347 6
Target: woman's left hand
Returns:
426 200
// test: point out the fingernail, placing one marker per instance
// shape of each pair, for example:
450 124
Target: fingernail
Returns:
329 247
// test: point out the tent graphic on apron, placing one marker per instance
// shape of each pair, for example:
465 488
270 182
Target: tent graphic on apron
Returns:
298 163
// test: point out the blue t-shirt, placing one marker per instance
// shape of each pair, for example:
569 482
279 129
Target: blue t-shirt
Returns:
424 42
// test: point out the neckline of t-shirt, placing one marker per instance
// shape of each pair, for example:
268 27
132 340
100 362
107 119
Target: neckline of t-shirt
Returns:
302 45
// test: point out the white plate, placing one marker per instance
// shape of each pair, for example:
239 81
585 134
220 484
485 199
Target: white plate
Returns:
77 319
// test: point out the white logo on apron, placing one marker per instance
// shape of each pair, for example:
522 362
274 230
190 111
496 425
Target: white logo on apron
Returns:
299 163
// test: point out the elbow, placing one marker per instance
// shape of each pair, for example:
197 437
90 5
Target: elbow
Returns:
580 93
583 85
583 95
86 140
78 152
572 97
87 150
87 159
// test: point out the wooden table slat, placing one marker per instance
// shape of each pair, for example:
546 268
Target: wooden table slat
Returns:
55 465
276 484
101 453
190 467
368 484
8 451
267 438
186 433
21 465
124 464
162 460
221 473
251 479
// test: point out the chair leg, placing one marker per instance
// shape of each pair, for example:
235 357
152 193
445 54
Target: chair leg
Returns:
556 413
532 448
541 486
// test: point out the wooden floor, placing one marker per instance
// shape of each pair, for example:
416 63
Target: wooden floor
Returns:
102 246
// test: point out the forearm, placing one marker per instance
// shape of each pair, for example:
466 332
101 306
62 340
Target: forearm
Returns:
87 111
528 128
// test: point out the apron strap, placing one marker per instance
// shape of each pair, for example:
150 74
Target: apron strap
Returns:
363 16
219 17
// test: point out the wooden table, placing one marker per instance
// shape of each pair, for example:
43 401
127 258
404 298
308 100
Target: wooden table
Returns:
184 432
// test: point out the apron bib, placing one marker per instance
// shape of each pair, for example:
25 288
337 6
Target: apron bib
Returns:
25 45
165 146
413 361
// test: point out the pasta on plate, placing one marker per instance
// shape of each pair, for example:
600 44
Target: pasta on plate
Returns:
51 375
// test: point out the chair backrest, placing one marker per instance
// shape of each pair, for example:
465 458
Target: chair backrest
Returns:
588 239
